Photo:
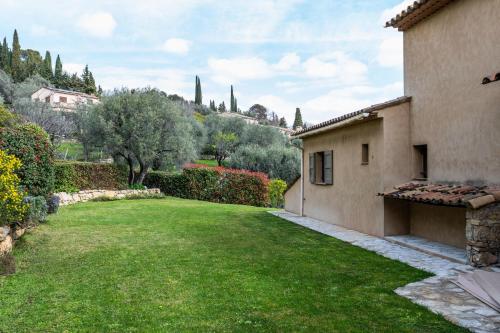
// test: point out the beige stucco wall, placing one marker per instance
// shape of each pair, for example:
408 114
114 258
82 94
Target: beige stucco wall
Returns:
441 224
292 198
446 58
352 200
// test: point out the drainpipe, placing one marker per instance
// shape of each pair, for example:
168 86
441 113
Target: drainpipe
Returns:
302 182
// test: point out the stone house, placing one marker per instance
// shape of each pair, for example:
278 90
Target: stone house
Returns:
63 100
425 166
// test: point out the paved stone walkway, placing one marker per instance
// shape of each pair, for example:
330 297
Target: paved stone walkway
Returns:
436 293
433 248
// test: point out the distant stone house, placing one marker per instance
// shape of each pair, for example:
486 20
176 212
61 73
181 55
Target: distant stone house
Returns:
426 164
63 100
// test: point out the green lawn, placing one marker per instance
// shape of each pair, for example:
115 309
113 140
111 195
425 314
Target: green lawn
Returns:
212 163
187 266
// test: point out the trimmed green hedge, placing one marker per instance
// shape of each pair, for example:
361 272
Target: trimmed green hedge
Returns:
213 184
31 144
76 176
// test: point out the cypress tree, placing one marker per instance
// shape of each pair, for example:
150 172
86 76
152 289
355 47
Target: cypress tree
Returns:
47 67
58 72
233 108
91 87
4 57
283 123
198 98
15 64
298 119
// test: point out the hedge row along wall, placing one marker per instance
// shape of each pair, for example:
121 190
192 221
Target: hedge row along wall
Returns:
31 145
76 176
213 184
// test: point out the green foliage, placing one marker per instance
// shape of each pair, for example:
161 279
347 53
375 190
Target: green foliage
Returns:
146 128
224 144
136 187
298 119
47 71
210 163
276 161
277 188
198 98
282 122
75 176
37 211
15 62
12 208
173 184
213 184
7 118
4 57
32 146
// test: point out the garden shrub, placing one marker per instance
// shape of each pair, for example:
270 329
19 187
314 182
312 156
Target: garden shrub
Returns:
173 184
277 188
276 161
12 208
75 176
53 203
38 209
213 184
31 144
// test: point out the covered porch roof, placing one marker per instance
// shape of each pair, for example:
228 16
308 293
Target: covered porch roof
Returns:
459 195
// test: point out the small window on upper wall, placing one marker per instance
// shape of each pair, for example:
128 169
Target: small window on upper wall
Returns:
47 99
365 154
63 100
420 161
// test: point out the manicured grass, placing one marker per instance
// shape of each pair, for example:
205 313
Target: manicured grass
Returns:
178 265
212 163
70 150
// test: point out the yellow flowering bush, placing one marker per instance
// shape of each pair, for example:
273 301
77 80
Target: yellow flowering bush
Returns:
12 208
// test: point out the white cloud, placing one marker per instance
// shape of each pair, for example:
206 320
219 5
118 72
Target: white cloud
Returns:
393 11
288 61
283 107
335 65
345 100
391 52
99 24
176 46
42 31
172 81
73 68
228 71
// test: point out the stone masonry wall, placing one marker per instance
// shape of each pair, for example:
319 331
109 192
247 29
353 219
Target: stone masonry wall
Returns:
82 196
483 235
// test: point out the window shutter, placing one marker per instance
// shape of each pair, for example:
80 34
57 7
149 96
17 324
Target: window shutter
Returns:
328 165
312 168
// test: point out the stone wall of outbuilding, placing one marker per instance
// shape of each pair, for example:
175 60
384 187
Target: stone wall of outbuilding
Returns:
483 235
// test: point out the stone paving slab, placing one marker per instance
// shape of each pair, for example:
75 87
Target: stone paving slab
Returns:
436 293
433 248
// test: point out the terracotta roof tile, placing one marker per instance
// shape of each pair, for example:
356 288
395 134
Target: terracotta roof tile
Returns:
368 110
444 194
416 12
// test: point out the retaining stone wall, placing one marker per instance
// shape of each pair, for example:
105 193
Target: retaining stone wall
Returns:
82 196
483 235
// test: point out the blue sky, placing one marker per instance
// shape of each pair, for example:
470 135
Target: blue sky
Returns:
328 57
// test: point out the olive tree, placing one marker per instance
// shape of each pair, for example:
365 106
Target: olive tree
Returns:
142 126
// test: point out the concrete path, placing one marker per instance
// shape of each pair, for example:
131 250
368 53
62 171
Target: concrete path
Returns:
437 293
